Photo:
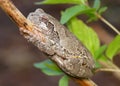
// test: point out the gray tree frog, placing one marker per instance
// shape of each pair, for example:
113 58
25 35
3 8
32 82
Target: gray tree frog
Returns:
60 45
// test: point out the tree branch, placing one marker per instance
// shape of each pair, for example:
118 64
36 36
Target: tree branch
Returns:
84 82
15 15
25 24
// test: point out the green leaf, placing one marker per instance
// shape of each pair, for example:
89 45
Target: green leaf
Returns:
100 52
103 58
92 17
97 65
74 11
85 34
64 81
96 4
102 9
113 48
49 68
62 2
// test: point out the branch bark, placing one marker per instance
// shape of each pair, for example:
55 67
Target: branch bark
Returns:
15 15
10 9
84 82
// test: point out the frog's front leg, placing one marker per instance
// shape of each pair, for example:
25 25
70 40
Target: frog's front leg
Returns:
65 64
57 59
75 67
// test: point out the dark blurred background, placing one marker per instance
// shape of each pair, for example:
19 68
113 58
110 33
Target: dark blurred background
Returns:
17 55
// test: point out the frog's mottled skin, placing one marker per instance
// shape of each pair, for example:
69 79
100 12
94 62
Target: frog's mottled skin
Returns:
63 47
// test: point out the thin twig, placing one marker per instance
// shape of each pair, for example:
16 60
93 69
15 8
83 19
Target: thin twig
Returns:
105 21
23 23
108 23
111 65
107 70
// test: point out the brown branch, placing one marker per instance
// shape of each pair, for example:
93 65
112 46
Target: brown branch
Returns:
25 24
15 14
84 82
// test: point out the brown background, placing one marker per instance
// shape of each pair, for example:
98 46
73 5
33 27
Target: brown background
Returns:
17 55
